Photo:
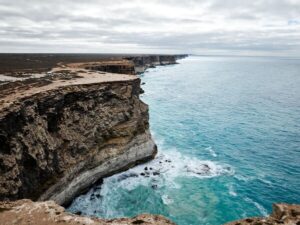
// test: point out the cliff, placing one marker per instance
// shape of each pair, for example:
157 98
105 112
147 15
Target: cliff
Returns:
282 214
61 134
26 212
112 66
17 64
142 63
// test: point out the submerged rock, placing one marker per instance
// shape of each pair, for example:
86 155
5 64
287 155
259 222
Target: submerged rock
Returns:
126 176
98 195
154 186
202 169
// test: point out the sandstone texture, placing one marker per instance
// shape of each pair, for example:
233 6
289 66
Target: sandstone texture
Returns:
282 214
26 212
64 128
121 66
59 137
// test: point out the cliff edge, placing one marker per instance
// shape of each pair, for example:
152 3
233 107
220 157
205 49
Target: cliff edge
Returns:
282 214
63 131
49 213
59 135
24 212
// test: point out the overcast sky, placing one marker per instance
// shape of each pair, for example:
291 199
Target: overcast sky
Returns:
247 27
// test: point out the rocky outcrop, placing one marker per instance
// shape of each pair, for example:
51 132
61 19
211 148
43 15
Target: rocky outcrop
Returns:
26 212
113 66
282 214
49 213
61 134
141 63
63 131
60 137
129 65
17 64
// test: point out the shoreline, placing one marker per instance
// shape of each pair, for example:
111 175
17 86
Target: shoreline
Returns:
71 127
72 90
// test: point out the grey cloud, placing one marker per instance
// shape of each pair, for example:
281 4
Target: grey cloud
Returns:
270 26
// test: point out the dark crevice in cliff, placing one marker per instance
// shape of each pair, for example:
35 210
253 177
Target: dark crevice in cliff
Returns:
52 140
49 134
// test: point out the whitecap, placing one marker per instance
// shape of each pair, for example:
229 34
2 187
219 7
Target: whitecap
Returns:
211 151
231 190
260 208
262 179
165 168
166 199
244 178
158 174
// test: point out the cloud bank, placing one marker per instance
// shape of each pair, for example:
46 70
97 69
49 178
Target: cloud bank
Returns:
256 27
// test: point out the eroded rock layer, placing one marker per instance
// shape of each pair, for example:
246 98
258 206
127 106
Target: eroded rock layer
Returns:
142 63
49 213
121 66
59 139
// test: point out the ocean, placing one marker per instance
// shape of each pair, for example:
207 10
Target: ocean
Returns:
228 136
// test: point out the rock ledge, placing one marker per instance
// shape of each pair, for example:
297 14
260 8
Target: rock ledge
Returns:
24 212
282 214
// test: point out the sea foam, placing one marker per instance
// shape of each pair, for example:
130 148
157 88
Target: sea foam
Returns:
158 174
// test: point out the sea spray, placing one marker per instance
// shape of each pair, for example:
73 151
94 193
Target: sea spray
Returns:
158 174
236 115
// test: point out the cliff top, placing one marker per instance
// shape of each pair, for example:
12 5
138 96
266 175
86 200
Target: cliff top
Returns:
36 63
122 62
15 88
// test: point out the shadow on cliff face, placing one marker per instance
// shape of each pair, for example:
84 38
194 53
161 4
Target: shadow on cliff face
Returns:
51 135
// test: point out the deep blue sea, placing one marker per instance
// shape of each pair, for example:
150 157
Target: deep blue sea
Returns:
228 134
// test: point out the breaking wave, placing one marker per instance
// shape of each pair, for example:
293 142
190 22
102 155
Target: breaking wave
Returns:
211 151
160 173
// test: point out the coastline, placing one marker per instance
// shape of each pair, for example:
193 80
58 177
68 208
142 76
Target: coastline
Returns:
66 130
81 86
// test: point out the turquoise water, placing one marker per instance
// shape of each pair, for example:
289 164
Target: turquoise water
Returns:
228 134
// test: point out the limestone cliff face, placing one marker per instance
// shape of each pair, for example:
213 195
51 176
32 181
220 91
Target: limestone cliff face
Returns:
26 212
113 66
142 63
57 142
